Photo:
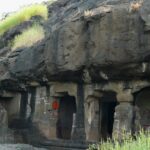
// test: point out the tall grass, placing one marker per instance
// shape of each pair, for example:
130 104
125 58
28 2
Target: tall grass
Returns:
141 142
23 15
28 37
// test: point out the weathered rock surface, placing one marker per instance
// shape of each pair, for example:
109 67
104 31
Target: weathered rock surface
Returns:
106 38
18 147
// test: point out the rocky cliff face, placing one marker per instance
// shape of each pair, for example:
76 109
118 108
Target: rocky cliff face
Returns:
86 40
104 43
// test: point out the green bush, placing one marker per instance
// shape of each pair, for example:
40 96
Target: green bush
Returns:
28 37
24 15
141 142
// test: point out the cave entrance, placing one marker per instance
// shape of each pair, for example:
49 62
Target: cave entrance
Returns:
65 117
107 110
142 109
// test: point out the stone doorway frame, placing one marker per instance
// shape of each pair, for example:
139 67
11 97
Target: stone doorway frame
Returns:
93 119
109 101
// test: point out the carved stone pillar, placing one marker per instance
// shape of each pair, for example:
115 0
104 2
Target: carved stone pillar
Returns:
23 107
137 120
92 119
3 117
6 135
78 131
123 118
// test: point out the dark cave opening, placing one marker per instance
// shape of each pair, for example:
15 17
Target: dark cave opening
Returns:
65 117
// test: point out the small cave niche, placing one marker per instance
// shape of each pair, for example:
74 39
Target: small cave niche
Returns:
65 117
142 102
107 106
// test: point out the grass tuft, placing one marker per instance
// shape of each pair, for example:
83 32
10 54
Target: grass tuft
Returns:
24 15
140 142
28 37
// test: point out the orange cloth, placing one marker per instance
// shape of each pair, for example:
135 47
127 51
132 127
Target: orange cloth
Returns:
55 105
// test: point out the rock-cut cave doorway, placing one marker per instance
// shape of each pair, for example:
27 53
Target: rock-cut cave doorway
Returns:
142 110
107 106
65 117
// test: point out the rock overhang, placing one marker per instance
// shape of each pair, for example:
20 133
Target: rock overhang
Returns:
107 39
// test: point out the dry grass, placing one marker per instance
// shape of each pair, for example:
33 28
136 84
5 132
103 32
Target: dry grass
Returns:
28 37
142 142
135 6
88 13
24 15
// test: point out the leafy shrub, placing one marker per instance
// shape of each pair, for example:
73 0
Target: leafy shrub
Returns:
24 15
28 37
141 142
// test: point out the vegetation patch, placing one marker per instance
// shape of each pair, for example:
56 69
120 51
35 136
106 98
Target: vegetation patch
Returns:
135 6
140 142
49 2
24 15
28 37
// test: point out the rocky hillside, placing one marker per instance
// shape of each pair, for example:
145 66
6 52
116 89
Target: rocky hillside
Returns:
86 41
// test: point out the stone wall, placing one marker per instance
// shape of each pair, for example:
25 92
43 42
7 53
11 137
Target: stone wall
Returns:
41 114
6 135
34 108
47 118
